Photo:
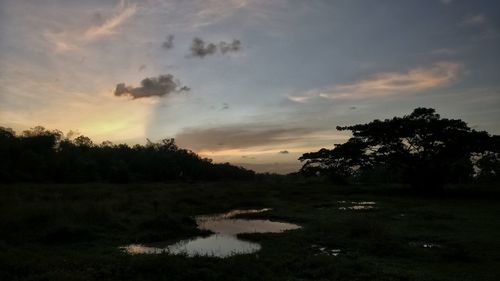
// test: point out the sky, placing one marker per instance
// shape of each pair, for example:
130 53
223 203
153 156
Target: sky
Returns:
255 83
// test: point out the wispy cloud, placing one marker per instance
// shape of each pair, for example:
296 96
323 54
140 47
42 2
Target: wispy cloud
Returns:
109 26
238 137
187 15
257 138
390 83
476 19
211 11
484 29
444 51
71 39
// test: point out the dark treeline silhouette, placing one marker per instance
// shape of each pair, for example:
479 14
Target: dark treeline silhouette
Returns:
48 156
421 149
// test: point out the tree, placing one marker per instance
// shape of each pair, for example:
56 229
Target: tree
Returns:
488 163
426 149
42 155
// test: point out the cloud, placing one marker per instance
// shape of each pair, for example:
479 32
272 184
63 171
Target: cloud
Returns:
444 51
209 12
302 99
168 43
477 19
151 87
488 33
388 84
108 27
234 46
193 15
284 152
239 136
71 39
200 48
485 30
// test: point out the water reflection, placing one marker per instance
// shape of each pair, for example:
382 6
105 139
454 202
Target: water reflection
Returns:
237 226
427 245
320 250
223 242
356 205
218 245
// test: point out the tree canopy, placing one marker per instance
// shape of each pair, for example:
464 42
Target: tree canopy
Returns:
420 148
43 155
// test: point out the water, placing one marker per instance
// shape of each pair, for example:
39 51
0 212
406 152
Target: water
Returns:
427 245
349 205
223 242
320 250
357 205
218 245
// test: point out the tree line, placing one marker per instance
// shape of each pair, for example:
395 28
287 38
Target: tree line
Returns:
42 155
421 149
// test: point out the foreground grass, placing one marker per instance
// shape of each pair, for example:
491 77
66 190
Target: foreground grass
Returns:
72 232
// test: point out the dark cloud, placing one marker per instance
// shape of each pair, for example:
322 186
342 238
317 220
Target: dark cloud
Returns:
200 49
234 46
151 87
352 108
284 152
142 67
224 106
168 43
239 136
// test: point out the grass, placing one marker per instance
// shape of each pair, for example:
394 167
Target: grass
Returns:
72 232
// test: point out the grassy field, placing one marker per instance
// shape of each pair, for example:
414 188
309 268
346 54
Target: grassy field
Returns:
72 232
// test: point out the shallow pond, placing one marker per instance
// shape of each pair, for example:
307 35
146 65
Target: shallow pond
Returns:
224 242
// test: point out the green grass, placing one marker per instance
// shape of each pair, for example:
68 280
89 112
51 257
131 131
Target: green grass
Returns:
72 232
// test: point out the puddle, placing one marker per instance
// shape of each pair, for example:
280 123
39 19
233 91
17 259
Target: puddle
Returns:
431 245
357 205
237 226
223 242
232 214
427 245
325 251
219 245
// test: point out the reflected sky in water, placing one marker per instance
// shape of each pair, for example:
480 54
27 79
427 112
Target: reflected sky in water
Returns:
223 242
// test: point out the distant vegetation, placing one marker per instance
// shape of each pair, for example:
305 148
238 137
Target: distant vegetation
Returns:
421 149
42 155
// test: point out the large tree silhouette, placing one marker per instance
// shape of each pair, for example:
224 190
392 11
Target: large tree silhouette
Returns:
425 149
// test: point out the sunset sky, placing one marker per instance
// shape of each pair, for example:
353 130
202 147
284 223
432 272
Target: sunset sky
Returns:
280 75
